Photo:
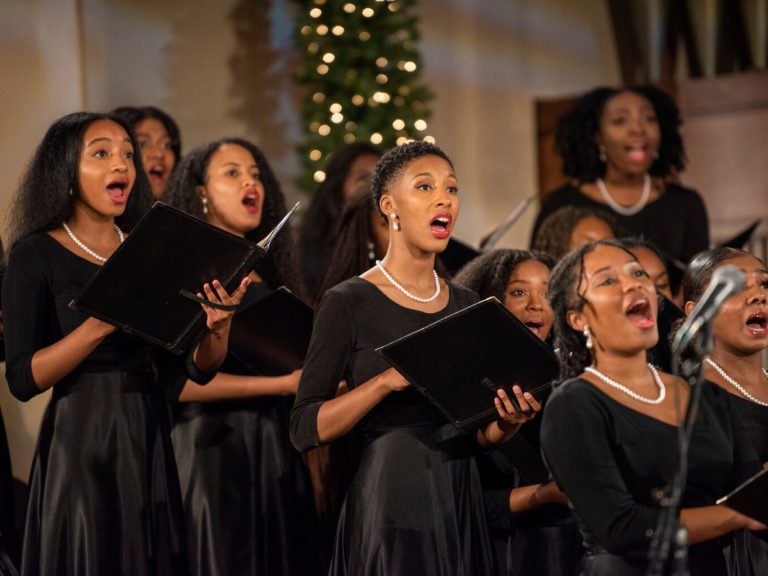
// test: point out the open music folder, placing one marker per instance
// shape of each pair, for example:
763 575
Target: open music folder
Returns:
460 361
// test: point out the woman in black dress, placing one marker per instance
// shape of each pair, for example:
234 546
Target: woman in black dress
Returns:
104 493
415 505
348 167
623 150
160 142
610 430
533 531
740 336
247 497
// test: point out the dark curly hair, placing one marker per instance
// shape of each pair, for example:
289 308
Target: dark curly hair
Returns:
577 130
488 274
135 114
394 161
322 217
43 200
699 271
278 267
554 235
564 295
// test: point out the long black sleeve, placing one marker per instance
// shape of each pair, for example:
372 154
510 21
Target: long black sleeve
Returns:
575 440
27 312
330 348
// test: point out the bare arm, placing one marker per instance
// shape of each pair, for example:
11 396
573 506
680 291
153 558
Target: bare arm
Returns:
212 349
527 498
710 522
53 363
234 387
339 415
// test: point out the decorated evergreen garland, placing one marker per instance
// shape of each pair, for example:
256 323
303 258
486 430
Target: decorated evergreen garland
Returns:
361 74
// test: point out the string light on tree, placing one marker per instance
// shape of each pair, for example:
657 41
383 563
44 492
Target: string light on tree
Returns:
360 71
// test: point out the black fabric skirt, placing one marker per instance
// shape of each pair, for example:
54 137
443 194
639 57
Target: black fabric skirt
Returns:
104 492
747 555
246 491
554 550
415 506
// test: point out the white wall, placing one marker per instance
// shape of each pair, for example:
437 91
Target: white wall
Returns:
488 61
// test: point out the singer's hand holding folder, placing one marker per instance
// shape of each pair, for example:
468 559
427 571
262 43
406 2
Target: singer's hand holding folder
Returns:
148 286
460 361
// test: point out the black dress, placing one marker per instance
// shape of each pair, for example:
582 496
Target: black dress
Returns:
415 505
676 222
104 492
7 504
609 459
247 496
541 542
748 555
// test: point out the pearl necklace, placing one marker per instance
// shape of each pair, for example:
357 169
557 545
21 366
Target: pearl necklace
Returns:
626 210
632 393
85 248
733 382
394 283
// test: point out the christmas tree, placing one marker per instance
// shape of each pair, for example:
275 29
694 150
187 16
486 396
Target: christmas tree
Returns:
361 74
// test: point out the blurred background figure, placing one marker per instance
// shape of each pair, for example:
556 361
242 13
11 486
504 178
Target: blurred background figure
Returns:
160 143
350 165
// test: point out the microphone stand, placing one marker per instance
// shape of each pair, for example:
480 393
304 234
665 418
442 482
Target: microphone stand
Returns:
669 535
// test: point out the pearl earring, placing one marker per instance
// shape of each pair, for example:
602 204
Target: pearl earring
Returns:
396 222
588 336
205 205
601 149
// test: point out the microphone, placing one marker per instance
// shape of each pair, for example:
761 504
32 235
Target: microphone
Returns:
726 281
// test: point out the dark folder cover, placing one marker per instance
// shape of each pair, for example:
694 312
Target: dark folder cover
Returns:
460 361
741 238
271 335
139 288
751 498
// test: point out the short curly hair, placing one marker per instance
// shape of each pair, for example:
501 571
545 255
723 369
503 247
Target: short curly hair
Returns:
395 160
576 131
554 234
488 275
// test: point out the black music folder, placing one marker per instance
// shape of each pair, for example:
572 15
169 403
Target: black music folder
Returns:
751 498
145 286
742 237
271 335
460 361
666 321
